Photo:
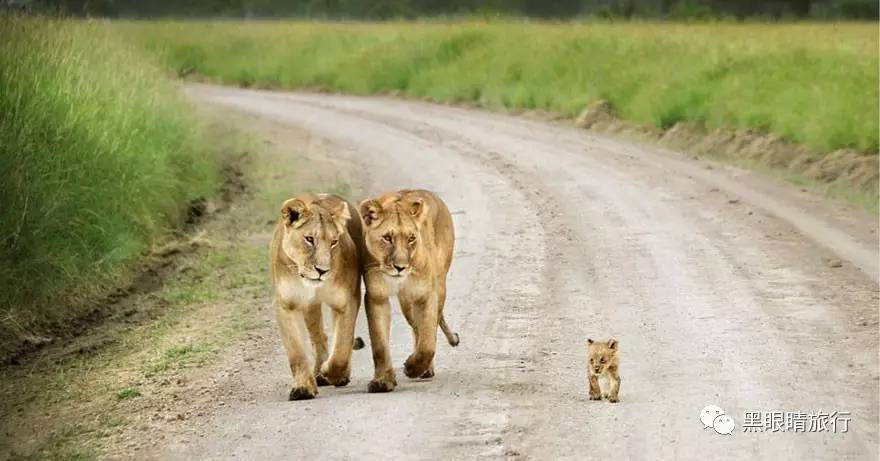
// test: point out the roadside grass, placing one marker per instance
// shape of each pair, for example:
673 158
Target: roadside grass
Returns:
88 397
99 157
812 83
126 376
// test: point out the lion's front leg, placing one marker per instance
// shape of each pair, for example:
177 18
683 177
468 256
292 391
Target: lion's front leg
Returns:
614 380
292 324
379 323
595 390
315 323
425 316
337 369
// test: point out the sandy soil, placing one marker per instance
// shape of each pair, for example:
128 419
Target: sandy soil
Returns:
722 287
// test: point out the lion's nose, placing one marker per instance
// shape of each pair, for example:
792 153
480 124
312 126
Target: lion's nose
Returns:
399 268
321 272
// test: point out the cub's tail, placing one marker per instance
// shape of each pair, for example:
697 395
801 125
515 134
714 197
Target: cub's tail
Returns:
358 343
451 336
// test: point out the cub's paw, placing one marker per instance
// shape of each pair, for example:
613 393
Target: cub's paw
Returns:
321 381
302 393
612 399
429 373
595 396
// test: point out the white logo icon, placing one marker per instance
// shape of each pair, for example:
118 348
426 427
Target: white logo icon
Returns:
723 425
713 417
709 414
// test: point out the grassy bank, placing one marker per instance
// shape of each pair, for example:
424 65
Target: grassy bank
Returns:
814 84
98 157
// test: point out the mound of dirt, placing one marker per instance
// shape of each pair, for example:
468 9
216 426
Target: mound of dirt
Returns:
599 111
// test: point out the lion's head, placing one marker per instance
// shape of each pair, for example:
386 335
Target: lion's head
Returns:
313 228
602 354
392 232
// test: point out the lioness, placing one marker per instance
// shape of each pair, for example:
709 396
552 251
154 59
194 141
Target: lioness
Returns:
409 241
317 257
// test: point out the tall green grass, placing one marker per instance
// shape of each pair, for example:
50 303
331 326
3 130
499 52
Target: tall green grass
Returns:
813 83
98 156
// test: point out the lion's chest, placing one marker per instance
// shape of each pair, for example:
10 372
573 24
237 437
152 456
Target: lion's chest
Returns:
407 287
295 292
394 284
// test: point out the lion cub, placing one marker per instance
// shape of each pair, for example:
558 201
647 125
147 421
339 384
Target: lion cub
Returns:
603 362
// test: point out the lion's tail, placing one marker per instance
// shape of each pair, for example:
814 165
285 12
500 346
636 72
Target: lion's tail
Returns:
451 336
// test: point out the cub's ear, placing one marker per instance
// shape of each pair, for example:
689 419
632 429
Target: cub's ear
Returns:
371 212
612 344
340 213
294 211
417 208
590 341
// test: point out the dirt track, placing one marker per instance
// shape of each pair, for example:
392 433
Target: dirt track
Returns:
717 283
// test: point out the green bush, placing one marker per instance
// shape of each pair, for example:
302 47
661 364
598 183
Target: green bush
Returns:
98 156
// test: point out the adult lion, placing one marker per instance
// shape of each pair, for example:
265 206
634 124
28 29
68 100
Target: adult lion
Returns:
317 258
409 240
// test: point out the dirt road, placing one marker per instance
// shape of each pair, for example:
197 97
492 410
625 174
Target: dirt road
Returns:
722 287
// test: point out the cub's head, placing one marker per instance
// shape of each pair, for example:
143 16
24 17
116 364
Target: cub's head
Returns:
391 232
601 354
312 229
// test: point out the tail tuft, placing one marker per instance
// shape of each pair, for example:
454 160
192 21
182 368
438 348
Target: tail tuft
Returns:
358 343
453 341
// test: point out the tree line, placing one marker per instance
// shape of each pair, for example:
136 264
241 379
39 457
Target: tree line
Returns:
408 9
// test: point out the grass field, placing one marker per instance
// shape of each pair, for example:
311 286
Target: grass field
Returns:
814 84
98 157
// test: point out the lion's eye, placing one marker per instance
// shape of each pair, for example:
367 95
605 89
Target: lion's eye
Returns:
602 361
333 243
310 240
387 238
412 239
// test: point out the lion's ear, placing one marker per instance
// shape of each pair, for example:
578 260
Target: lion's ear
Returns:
339 213
371 212
294 211
417 208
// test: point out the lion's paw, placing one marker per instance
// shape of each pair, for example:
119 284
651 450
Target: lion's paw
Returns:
377 387
302 393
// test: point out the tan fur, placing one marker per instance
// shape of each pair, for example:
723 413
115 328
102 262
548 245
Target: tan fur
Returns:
409 240
336 246
603 361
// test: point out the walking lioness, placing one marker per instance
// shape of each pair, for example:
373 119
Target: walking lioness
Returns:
409 241
316 258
